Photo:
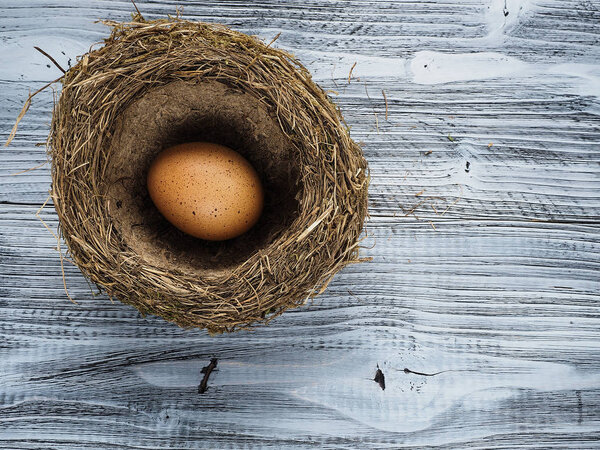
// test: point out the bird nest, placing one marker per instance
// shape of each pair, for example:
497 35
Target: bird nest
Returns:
158 83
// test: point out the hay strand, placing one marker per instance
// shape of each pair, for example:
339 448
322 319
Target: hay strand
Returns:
24 110
350 73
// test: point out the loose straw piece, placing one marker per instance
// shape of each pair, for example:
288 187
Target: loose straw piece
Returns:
27 170
62 265
274 39
350 73
386 104
24 110
455 201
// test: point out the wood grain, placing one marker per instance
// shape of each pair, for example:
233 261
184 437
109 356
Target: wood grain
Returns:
487 271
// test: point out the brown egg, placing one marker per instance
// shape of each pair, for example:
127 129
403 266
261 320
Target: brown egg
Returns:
206 190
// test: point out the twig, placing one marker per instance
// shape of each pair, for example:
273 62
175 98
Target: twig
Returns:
51 59
423 374
207 370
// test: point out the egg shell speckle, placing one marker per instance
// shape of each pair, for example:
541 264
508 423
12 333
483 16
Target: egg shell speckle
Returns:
206 190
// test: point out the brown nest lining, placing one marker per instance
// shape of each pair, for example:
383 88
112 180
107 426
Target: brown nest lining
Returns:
157 83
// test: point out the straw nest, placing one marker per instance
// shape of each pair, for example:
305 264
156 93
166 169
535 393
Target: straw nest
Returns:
156 83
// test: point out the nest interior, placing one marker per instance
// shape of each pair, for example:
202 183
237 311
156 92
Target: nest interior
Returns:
156 83
186 111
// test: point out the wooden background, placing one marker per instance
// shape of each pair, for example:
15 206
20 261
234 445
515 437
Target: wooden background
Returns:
492 140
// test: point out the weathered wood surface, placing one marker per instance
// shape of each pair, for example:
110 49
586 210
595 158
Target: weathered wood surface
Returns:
494 277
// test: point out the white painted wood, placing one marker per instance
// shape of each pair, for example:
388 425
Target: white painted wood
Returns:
501 290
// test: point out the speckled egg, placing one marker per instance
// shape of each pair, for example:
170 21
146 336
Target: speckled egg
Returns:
206 190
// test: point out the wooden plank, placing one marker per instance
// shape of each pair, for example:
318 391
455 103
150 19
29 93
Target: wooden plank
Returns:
495 281
561 28
543 163
538 168
515 316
